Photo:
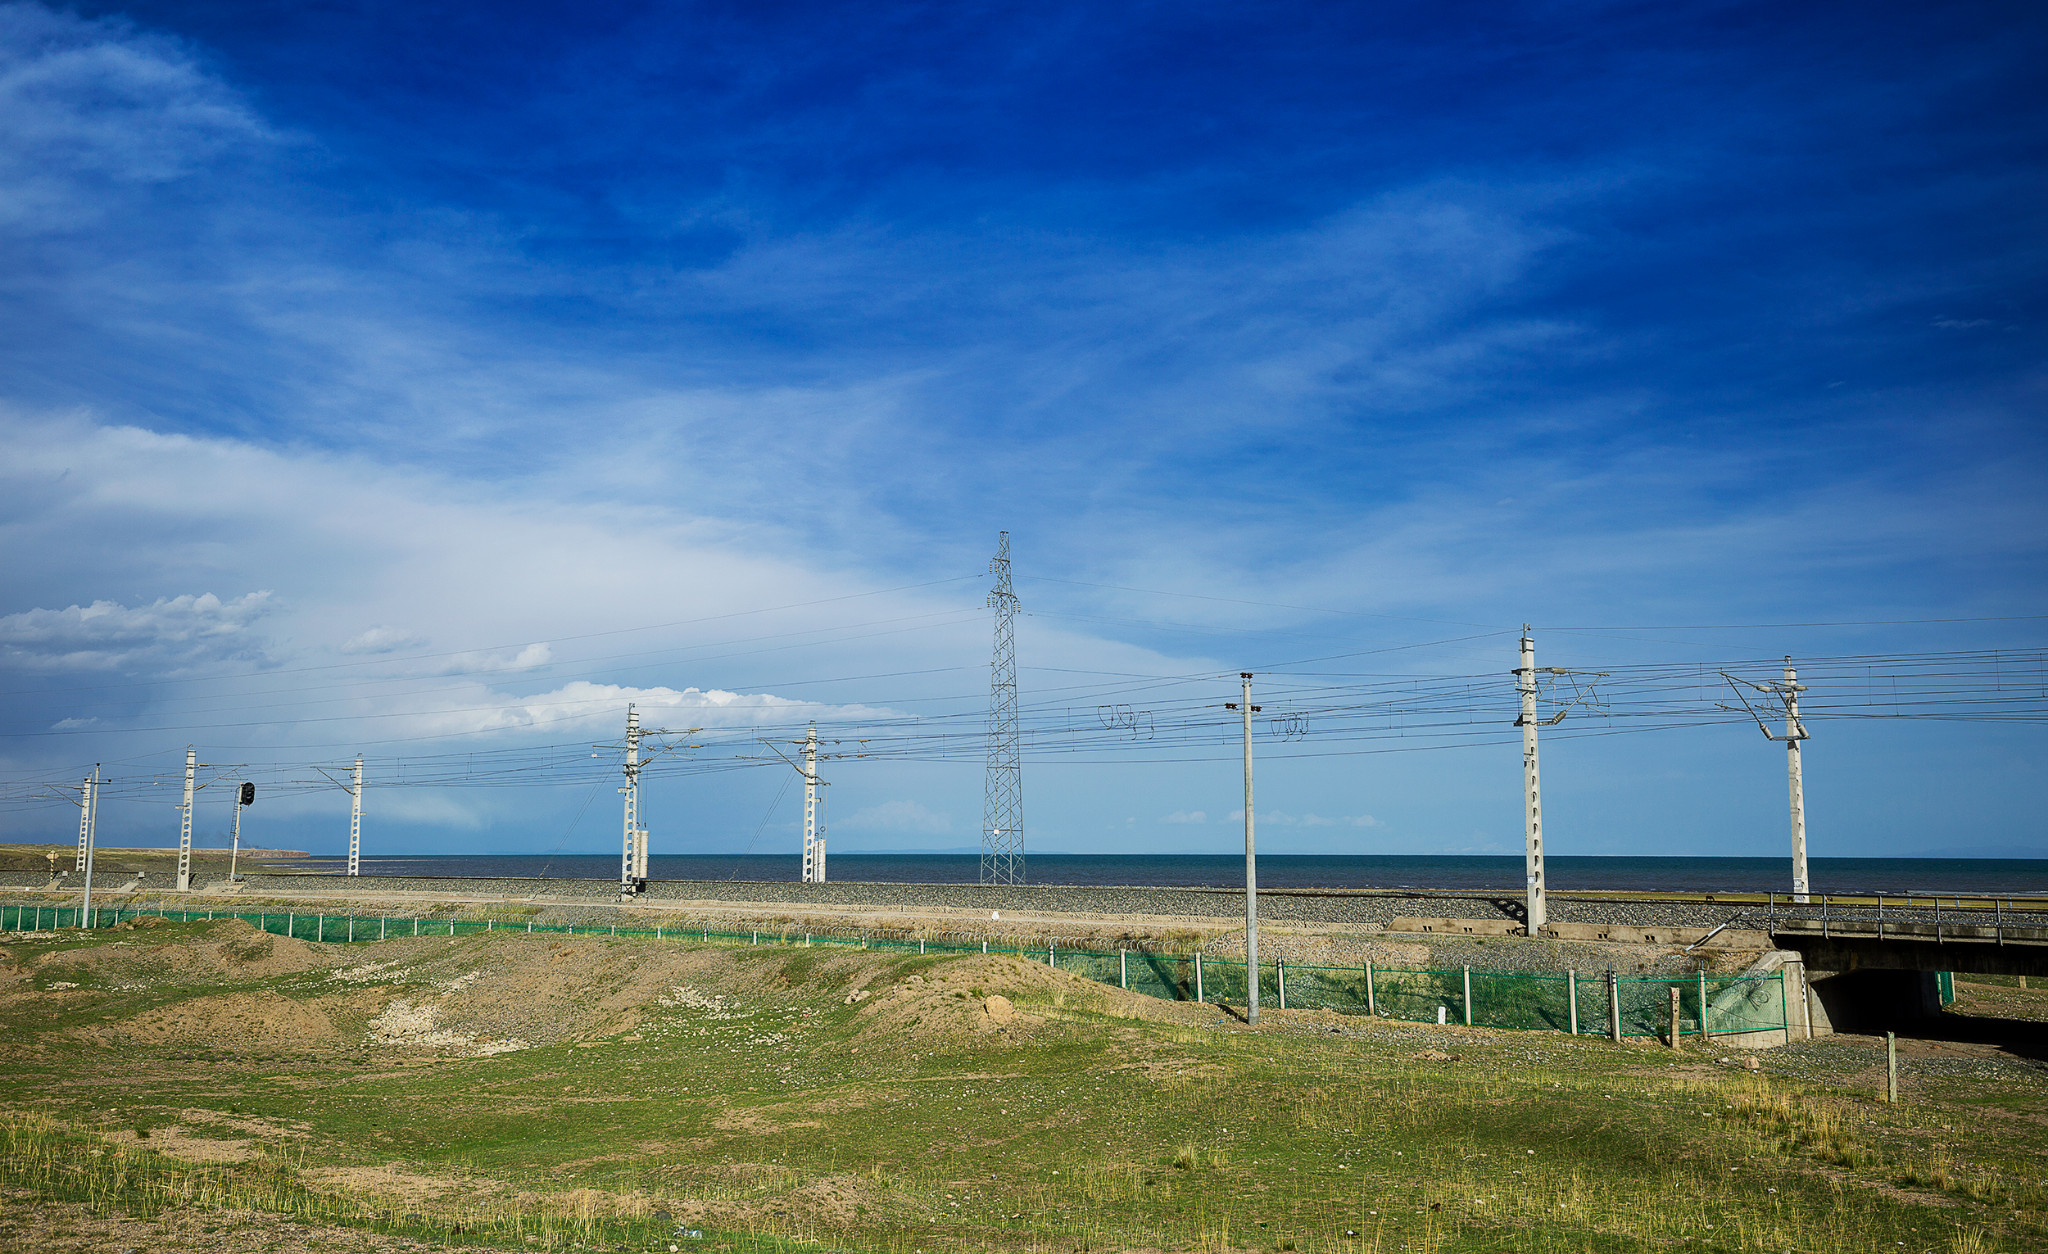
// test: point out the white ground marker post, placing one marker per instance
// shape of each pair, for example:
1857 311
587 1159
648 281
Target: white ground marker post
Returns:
1786 693
1251 860
1537 909
355 818
185 823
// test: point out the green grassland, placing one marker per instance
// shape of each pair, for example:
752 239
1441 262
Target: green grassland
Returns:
816 1099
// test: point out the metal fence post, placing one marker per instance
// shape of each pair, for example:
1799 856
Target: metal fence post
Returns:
1468 996
1703 1004
1370 1007
1198 976
1123 969
1571 993
1613 1006
1280 973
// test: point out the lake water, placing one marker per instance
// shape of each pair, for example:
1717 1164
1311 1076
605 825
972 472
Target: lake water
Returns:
1889 875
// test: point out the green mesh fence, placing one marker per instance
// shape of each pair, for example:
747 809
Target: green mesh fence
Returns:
1581 1002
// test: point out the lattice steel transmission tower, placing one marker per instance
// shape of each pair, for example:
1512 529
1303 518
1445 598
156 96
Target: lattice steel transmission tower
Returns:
1002 821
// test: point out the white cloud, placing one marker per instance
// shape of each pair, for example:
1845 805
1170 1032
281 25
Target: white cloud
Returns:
1186 816
92 106
1271 818
382 640
907 817
1364 820
171 633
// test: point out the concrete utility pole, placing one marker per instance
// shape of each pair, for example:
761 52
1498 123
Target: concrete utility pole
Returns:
814 838
1795 784
91 823
1537 908
185 823
633 841
1251 860
1786 693
355 818
85 819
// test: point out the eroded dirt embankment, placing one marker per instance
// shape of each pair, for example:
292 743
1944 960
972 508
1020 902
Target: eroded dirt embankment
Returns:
226 987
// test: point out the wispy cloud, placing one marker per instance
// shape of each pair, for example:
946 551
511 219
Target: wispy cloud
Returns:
382 640
168 635
897 817
97 111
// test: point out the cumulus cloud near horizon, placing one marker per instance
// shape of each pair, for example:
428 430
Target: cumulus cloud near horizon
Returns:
1281 818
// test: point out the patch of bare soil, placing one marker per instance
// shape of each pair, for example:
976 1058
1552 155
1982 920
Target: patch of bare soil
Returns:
760 1120
1001 998
841 1201
261 1020
250 1124
31 1223
231 950
389 1183
176 1142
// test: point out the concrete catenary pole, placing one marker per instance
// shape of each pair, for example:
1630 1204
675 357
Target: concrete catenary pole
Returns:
1251 866
813 865
1786 693
1795 732
84 820
185 822
633 836
92 822
355 818
1537 908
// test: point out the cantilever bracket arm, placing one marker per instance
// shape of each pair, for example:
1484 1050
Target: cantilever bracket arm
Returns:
1736 685
348 788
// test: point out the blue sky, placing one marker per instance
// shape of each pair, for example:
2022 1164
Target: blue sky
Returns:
428 345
